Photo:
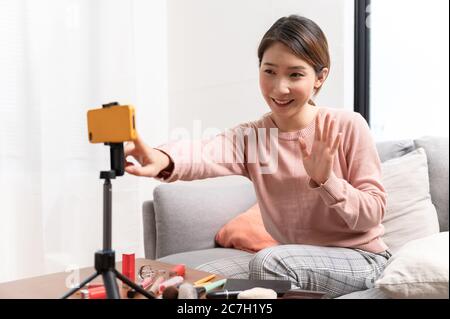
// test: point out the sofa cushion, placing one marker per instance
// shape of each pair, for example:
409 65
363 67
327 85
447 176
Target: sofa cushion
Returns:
393 149
438 159
246 232
189 214
410 214
418 270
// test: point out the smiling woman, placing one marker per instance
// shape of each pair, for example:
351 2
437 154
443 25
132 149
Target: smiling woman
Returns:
294 63
308 37
326 170
288 84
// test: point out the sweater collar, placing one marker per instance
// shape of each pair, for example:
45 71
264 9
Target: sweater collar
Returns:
294 135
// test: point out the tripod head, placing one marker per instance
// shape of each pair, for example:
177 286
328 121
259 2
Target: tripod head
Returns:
113 124
117 159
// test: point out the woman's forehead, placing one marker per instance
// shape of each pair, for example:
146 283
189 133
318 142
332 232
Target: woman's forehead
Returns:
279 55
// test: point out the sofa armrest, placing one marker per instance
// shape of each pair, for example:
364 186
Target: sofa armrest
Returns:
187 215
148 221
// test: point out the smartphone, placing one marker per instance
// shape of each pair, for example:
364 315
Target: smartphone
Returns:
113 123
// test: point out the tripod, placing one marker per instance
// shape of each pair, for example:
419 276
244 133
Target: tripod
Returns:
105 259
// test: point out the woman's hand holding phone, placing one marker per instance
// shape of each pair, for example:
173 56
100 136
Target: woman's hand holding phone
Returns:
152 161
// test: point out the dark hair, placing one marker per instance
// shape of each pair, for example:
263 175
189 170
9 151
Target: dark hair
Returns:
303 36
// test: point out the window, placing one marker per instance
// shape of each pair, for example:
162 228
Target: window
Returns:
409 68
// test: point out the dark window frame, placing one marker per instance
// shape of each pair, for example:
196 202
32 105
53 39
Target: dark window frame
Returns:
361 97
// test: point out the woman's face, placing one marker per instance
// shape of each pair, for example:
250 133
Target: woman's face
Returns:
287 82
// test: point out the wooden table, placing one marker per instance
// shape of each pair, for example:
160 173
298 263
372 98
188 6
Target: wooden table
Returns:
53 286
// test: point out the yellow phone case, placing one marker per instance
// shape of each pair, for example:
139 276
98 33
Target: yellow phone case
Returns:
113 124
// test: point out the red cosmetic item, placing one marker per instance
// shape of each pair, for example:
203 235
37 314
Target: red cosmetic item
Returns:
128 266
178 270
94 293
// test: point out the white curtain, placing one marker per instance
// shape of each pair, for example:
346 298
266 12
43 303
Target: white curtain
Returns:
59 58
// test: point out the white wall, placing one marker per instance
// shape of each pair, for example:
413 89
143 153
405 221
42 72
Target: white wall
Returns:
213 64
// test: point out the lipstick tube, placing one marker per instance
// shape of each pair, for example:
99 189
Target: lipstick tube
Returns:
174 281
154 289
128 268
94 293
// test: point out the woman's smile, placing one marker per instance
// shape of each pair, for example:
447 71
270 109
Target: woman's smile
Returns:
282 103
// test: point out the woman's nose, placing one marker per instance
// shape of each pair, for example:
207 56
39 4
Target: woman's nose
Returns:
281 87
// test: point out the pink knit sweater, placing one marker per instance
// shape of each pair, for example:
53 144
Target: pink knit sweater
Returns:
346 211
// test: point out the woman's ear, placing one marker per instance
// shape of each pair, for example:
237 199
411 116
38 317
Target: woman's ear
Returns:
321 77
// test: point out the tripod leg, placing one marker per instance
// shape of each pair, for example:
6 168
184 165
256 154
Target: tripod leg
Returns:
81 285
109 279
133 285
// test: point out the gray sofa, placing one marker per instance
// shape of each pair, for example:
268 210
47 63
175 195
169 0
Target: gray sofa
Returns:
181 221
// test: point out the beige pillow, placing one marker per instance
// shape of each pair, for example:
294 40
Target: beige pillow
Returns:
410 214
418 270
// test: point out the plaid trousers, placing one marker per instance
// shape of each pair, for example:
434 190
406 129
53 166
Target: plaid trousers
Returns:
333 270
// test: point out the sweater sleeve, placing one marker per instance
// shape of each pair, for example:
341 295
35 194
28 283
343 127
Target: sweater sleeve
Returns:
221 155
361 199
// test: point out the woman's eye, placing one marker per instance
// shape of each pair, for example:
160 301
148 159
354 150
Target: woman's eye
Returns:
269 72
296 75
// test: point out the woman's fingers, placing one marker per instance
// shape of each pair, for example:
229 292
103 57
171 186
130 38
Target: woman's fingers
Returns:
336 143
148 171
128 148
318 132
133 169
137 145
143 155
139 142
128 163
330 133
326 127
303 149
136 148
